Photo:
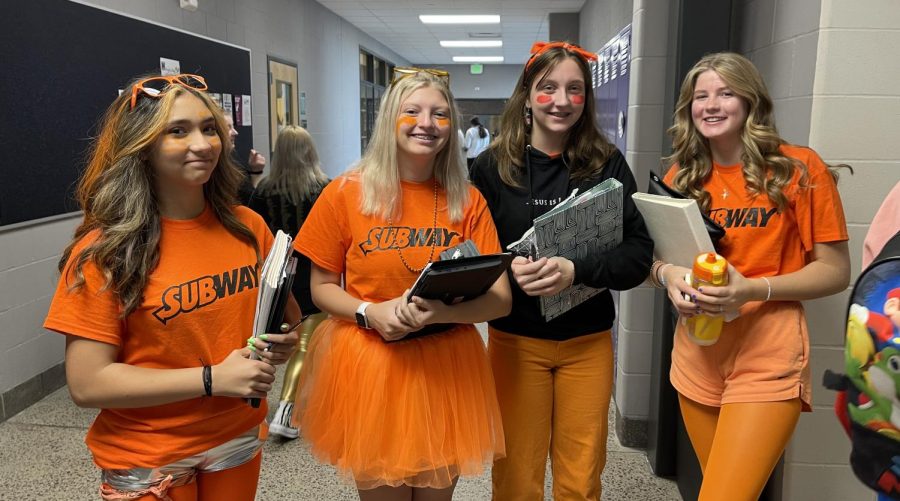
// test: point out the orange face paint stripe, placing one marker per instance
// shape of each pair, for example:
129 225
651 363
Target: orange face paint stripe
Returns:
442 122
578 99
408 121
543 98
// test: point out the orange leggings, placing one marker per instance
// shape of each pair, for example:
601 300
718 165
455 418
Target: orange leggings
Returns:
738 444
238 484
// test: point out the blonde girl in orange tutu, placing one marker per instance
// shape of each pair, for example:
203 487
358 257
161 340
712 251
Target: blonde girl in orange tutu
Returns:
399 395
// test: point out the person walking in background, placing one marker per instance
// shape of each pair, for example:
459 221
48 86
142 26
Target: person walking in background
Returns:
785 242
477 140
256 164
157 296
284 199
402 413
554 379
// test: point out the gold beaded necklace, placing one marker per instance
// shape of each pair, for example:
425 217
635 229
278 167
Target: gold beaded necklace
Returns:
433 237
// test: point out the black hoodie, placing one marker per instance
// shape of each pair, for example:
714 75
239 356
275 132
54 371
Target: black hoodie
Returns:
622 268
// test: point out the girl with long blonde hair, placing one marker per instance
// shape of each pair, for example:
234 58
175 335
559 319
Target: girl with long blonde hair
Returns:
785 242
396 391
284 199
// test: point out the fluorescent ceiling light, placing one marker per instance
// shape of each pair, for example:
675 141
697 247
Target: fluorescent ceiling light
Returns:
456 19
471 43
477 59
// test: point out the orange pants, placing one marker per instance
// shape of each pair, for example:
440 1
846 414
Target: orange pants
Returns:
554 397
738 444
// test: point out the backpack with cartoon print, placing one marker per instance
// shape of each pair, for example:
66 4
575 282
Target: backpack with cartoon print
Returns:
868 401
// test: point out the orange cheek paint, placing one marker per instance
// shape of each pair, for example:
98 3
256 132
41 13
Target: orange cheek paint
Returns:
408 121
543 98
442 122
578 99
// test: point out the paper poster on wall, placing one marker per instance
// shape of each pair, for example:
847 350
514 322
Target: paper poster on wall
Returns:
227 105
245 109
215 96
169 66
238 116
303 103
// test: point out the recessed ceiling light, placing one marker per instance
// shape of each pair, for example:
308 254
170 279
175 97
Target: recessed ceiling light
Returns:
483 34
461 19
471 43
477 59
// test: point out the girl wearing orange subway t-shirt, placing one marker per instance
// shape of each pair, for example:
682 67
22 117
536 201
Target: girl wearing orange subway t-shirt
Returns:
156 298
785 242
402 419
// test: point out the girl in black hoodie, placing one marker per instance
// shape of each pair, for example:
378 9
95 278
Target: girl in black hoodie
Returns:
554 379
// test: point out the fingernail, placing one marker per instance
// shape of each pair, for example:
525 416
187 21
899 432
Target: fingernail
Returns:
265 337
693 298
252 348
700 289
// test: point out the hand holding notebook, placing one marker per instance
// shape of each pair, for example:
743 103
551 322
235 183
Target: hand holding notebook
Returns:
275 281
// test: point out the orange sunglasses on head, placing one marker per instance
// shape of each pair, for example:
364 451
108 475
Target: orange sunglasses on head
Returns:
155 86
540 47
401 72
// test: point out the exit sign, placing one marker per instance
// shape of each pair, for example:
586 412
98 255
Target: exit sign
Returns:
476 69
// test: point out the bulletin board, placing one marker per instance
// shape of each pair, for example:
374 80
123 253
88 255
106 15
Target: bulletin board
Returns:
63 63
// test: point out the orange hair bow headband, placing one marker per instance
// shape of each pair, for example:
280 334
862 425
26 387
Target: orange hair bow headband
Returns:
540 47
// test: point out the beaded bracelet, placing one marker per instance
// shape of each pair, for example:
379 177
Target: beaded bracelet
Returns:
769 286
207 380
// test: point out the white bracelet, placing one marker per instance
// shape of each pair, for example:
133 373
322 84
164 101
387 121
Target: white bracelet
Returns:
769 285
662 277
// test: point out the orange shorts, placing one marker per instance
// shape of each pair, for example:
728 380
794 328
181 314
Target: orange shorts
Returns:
761 356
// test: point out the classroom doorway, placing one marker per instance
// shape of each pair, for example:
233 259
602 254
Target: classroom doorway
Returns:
283 98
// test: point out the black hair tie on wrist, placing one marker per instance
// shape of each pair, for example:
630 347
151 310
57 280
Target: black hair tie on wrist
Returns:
207 380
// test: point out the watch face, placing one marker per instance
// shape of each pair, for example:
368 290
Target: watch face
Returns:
361 320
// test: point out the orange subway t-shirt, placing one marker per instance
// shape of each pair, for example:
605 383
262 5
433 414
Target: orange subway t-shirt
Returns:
338 238
198 306
759 241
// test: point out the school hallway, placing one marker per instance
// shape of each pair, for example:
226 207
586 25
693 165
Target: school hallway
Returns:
43 457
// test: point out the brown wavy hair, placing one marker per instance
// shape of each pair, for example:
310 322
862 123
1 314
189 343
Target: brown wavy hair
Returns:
118 197
586 148
766 169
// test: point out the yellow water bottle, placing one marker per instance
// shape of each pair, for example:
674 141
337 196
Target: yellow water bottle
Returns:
709 269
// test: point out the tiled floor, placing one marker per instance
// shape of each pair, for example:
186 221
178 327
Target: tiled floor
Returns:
43 457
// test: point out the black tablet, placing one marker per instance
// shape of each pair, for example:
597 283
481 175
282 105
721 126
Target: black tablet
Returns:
460 279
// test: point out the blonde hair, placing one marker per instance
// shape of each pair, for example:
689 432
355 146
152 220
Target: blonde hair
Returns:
118 195
586 149
378 169
296 172
766 169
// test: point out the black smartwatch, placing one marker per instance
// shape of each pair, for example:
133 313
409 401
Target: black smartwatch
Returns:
361 319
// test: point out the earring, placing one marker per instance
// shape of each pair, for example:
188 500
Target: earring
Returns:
527 115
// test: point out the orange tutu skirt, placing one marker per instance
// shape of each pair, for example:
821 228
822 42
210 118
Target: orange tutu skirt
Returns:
419 412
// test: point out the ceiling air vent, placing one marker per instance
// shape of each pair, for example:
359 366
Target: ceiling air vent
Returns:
484 34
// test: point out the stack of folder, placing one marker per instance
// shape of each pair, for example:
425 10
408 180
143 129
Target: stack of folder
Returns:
275 280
